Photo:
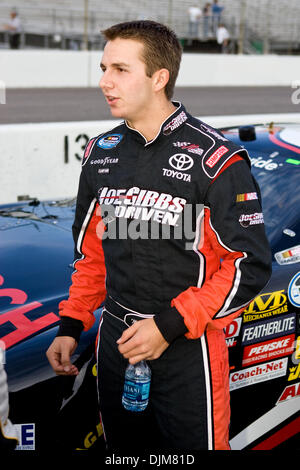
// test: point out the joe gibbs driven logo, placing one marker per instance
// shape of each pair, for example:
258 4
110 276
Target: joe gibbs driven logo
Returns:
142 213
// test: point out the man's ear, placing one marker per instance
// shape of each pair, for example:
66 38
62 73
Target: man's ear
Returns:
160 79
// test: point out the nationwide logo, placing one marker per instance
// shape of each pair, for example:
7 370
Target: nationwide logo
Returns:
176 122
266 305
268 165
215 157
258 374
109 141
269 329
269 350
192 148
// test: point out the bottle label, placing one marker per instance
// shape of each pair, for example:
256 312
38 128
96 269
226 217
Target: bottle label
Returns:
136 391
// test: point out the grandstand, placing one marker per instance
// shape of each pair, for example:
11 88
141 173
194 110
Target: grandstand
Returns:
267 25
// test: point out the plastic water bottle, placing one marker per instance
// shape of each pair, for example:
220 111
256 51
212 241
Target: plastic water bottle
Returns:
136 386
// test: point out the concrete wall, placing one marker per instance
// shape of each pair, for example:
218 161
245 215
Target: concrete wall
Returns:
46 68
43 160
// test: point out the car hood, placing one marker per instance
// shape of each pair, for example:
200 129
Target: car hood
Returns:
35 275
37 247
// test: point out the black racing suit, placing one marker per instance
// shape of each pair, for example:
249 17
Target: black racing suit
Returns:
170 228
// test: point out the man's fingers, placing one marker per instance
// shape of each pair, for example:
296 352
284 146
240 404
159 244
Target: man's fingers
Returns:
65 359
127 334
59 355
139 357
54 360
142 340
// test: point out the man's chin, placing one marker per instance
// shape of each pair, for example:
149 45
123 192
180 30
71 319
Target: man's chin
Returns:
116 113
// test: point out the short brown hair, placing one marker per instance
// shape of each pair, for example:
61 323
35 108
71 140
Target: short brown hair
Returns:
161 47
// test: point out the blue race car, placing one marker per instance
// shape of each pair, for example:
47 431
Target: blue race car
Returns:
50 412
61 413
264 346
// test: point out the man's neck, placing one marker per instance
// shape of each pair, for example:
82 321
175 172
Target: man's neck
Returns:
149 126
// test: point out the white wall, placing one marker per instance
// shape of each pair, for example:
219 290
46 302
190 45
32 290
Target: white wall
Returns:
33 157
47 68
238 70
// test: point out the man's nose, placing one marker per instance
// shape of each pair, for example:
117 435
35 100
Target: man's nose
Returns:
105 81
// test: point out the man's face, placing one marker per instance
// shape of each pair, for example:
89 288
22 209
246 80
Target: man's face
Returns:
125 85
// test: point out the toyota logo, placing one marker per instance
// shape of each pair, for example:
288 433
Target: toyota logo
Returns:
181 162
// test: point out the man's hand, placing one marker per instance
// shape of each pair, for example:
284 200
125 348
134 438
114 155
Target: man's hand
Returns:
142 340
59 355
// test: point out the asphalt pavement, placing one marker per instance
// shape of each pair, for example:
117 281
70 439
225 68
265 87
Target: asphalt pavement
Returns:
88 104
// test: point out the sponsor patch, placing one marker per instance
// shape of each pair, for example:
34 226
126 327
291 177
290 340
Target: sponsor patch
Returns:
258 373
232 331
246 197
192 148
294 290
142 204
290 256
109 141
294 371
26 435
212 131
268 329
268 350
177 174
176 122
251 219
290 392
215 157
266 305
104 161
181 162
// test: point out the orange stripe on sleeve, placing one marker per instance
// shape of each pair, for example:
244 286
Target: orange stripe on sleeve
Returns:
87 291
199 305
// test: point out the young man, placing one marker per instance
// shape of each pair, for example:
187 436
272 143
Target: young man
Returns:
161 239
